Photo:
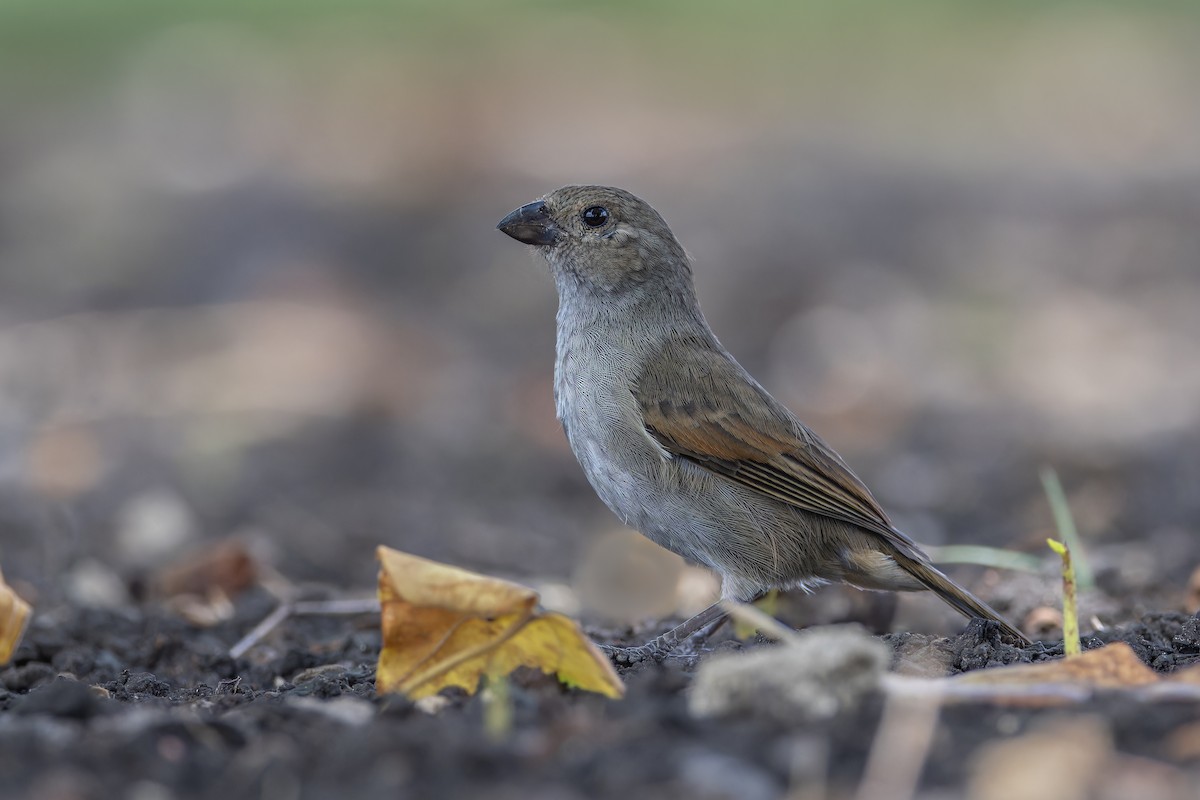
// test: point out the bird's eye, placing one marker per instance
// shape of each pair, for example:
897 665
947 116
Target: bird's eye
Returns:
595 216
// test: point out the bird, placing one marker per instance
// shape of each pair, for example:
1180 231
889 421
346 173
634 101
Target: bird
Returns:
682 443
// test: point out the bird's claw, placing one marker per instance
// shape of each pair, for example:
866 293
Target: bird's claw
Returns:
628 656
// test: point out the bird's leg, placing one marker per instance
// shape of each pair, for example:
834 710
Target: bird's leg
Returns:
657 649
701 636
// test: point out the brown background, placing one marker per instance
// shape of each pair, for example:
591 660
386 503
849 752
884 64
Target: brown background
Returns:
250 285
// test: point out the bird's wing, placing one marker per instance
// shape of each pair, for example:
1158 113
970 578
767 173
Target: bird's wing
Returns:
699 404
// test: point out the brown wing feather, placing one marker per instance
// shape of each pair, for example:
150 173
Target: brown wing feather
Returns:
741 432
701 405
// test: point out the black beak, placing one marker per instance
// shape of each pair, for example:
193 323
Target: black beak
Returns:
531 224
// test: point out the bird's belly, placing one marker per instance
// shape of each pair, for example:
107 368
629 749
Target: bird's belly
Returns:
753 542
623 474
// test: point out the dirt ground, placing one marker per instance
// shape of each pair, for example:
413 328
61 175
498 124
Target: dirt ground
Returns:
141 704
134 701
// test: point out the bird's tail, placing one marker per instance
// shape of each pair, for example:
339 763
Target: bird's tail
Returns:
957 597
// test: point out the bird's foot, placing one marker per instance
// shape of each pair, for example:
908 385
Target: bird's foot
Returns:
692 632
628 656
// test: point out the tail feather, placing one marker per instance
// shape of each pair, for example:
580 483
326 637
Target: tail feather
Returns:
954 595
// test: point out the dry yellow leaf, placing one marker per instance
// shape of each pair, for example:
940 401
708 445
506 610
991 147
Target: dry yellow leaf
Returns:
1114 666
1186 675
444 626
14 616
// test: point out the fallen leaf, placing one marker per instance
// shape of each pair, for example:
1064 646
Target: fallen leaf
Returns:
444 626
1053 683
200 586
1114 666
1057 683
226 567
14 616
1186 675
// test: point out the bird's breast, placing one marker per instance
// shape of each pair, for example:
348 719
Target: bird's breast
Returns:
593 390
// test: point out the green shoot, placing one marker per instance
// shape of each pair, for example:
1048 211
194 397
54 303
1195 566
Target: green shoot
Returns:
980 555
497 708
1070 609
768 604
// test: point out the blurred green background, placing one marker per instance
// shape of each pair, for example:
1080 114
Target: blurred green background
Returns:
250 283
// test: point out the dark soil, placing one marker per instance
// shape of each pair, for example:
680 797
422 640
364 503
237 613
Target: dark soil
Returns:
145 702
134 701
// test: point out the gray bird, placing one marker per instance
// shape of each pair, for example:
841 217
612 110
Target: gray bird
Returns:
681 442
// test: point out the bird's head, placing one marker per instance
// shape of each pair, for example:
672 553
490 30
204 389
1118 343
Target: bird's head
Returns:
604 237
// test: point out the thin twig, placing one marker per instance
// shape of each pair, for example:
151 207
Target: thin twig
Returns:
765 624
901 746
259 631
346 607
